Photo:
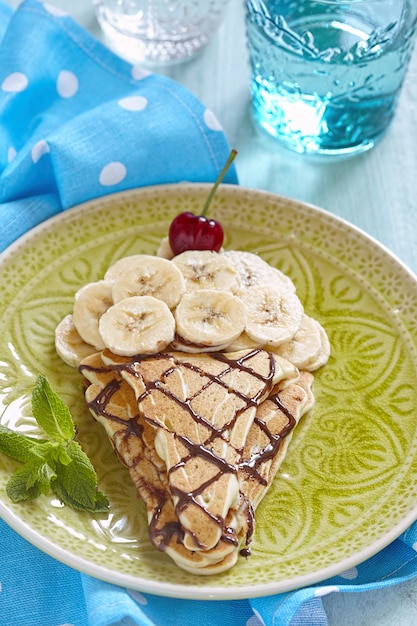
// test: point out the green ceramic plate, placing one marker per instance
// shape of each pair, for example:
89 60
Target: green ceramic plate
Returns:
348 486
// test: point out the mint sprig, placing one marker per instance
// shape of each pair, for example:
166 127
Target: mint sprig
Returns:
58 464
51 412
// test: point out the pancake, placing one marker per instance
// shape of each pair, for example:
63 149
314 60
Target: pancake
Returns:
197 434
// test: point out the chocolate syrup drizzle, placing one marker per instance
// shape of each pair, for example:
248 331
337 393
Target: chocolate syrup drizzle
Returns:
162 536
251 466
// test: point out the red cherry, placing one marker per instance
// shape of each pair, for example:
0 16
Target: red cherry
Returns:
195 232
198 232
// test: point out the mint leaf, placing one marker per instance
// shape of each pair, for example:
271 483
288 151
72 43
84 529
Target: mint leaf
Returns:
76 483
54 452
102 502
41 475
99 505
59 464
17 446
78 478
30 480
17 487
51 412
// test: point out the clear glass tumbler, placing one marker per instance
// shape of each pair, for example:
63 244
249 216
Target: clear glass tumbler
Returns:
159 31
326 74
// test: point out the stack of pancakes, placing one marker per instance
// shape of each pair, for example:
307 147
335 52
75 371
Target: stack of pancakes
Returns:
203 436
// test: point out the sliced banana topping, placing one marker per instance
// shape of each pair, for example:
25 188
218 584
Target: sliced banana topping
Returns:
244 342
210 318
255 272
324 353
165 250
197 301
137 325
305 348
146 275
203 269
273 315
68 343
90 302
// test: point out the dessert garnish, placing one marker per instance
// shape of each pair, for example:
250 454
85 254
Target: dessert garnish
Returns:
197 232
56 463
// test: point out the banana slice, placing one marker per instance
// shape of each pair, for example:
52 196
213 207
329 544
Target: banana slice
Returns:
68 343
146 275
165 250
273 315
90 302
323 355
137 325
306 347
208 319
203 269
254 271
244 342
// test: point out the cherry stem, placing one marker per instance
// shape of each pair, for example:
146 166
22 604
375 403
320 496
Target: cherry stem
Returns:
220 177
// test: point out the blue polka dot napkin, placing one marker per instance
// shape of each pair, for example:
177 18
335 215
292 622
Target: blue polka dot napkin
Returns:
76 122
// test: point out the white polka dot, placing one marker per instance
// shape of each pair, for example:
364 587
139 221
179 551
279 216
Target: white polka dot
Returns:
211 120
54 10
11 154
15 82
138 597
39 149
350 574
67 84
325 591
139 72
112 174
414 546
133 103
